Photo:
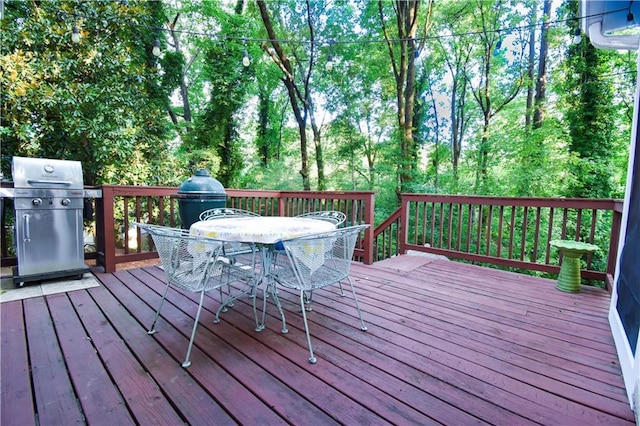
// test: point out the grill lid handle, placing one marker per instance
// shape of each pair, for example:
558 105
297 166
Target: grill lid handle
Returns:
49 182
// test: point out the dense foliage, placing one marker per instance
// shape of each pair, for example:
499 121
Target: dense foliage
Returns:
443 103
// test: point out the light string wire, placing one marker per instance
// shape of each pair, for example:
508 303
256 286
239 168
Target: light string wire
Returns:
373 41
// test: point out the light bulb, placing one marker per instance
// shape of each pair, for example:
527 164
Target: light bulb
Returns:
329 65
75 35
156 48
245 59
577 37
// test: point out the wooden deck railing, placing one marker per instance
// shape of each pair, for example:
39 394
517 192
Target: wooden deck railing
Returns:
509 232
120 206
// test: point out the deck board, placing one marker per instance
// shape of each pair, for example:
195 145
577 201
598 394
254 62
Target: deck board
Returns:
15 383
447 343
57 404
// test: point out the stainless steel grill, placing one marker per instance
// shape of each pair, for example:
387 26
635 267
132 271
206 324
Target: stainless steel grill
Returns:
48 200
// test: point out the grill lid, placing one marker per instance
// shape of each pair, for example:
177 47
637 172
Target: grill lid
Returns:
46 173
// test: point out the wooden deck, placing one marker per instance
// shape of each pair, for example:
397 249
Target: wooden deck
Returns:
447 343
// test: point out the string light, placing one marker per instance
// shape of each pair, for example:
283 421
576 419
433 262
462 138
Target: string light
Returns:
507 30
156 48
75 35
245 55
329 65
577 36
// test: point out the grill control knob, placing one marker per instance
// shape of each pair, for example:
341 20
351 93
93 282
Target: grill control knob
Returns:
65 201
36 201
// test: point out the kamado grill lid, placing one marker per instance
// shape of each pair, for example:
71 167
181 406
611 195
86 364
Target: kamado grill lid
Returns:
201 184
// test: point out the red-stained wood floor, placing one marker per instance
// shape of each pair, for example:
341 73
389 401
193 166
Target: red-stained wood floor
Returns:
447 343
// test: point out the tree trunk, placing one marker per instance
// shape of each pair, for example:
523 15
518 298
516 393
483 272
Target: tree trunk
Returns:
184 92
317 142
530 67
279 57
404 74
541 83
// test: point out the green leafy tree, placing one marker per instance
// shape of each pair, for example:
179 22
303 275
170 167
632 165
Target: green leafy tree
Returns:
216 128
97 101
590 112
452 56
412 20
297 62
498 78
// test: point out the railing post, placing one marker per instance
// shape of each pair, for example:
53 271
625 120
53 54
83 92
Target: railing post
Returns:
369 217
403 224
105 233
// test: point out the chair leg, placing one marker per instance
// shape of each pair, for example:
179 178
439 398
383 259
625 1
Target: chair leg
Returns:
312 359
186 362
254 299
355 299
264 306
308 298
152 329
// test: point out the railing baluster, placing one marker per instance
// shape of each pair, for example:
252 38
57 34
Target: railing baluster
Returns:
488 239
512 231
441 220
450 226
549 236
479 233
536 236
500 224
460 214
523 235
578 224
469 224
125 224
416 220
592 233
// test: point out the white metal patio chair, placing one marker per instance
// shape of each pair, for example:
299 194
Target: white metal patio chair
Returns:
315 262
333 216
191 263
220 212
236 252
232 250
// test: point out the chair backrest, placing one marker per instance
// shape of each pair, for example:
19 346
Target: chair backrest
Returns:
221 212
188 260
333 216
321 259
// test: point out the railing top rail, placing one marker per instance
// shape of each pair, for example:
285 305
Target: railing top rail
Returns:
584 203
388 221
298 194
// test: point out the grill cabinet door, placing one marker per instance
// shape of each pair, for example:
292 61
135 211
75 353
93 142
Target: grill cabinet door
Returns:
49 240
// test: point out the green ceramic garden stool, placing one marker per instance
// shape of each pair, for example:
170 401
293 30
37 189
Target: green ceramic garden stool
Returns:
572 251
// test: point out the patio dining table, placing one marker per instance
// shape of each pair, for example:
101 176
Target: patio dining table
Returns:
264 232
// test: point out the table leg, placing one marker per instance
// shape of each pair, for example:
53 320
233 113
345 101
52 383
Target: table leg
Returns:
269 288
230 301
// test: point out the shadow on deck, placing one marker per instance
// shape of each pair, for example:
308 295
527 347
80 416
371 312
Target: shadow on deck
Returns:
447 343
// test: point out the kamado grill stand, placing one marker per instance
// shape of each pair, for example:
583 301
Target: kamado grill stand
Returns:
48 200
